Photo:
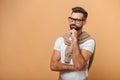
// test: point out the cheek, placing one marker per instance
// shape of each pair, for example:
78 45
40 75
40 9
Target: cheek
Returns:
79 24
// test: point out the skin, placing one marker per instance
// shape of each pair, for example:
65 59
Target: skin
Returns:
79 57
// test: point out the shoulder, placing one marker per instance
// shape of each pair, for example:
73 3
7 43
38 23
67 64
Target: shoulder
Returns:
89 45
60 39
90 41
58 43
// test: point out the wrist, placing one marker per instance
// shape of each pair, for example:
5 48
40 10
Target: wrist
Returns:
75 40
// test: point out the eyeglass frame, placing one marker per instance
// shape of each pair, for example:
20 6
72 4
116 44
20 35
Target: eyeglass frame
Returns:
75 19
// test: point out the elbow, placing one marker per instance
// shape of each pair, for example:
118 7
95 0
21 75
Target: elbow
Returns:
80 67
52 67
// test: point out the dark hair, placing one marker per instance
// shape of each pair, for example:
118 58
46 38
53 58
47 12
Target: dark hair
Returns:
80 10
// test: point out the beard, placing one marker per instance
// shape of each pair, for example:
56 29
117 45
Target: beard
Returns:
73 26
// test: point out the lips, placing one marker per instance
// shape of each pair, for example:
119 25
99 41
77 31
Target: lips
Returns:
73 26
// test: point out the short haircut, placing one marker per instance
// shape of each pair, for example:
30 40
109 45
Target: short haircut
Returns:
80 10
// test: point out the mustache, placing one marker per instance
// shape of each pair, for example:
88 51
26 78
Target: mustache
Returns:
73 25
76 27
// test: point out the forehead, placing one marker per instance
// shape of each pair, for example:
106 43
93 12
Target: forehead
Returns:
77 15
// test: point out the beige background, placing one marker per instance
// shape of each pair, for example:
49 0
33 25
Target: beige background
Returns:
28 29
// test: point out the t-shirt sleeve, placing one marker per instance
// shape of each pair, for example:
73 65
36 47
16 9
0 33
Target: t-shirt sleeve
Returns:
89 45
57 44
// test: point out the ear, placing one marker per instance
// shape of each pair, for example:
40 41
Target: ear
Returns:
84 22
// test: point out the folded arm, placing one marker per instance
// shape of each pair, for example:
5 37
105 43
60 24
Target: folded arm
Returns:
79 61
56 65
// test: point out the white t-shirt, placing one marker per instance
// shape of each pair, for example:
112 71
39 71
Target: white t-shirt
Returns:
73 75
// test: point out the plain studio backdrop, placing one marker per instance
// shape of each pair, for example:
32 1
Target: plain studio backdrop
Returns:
29 28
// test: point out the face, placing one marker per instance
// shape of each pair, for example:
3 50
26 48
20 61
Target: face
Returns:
76 21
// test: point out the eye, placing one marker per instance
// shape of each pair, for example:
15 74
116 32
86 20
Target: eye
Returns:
75 19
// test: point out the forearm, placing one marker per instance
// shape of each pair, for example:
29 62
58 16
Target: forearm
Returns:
78 59
58 66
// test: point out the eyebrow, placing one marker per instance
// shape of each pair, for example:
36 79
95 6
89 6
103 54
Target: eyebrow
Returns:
76 19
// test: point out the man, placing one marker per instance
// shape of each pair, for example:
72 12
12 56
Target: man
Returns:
72 52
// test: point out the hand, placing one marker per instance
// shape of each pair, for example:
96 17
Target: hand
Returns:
74 35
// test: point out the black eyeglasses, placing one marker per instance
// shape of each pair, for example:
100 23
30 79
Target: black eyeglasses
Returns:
75 19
